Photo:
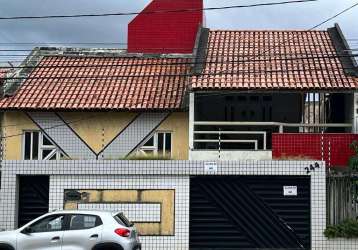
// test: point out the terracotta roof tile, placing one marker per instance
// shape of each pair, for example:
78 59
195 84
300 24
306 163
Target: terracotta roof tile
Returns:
272 60
125 83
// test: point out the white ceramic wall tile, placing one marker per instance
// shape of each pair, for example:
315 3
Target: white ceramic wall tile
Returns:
159 175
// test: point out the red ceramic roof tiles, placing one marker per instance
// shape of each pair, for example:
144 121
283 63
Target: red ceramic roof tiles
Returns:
272 60
100 83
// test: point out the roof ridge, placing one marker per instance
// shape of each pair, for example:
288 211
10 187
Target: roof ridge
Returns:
104 53
124 56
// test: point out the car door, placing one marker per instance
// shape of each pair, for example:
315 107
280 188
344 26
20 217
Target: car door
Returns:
84 232
45 234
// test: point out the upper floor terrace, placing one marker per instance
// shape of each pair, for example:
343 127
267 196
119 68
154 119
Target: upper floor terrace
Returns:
272 94
267 125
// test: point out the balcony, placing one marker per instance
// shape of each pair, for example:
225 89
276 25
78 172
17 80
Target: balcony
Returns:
270 126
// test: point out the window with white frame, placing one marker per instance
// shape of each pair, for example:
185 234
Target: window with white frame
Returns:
160 144
38 146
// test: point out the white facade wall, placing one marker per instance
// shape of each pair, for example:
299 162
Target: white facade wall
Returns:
229 155
160 175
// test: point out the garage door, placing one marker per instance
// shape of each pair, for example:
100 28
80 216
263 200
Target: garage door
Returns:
33 198
250 212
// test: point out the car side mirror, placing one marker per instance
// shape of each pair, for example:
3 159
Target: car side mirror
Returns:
27 230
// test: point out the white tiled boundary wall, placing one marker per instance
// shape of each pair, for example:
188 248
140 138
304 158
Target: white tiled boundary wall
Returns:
159 175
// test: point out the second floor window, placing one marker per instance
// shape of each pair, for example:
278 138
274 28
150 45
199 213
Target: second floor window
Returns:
38 147
160 144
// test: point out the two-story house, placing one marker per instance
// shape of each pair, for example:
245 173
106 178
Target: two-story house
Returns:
206 139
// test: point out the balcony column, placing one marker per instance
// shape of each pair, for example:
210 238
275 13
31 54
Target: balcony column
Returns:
191 120
355 113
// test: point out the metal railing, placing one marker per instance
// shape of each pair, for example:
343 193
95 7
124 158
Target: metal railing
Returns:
342 198
219 140
222 132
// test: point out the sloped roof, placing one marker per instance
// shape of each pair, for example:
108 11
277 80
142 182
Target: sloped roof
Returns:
77 79
272 60
101 83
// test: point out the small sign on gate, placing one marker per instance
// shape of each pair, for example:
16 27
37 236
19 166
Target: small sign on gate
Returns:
290 190
211 167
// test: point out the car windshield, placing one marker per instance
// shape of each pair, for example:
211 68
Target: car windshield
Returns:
122 219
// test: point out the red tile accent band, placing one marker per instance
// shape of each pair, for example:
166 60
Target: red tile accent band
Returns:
333 148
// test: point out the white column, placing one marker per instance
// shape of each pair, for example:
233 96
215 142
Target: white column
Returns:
355 113
191 122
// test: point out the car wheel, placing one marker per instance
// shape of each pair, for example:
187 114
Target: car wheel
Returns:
6 247
108 246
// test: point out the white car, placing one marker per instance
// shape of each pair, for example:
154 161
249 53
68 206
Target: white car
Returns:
74 230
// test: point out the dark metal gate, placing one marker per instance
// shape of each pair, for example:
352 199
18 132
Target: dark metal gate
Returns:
33 198
249 212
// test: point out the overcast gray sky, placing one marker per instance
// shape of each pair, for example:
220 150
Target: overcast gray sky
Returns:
114 29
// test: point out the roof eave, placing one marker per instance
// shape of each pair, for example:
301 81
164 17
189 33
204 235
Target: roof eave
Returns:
139 110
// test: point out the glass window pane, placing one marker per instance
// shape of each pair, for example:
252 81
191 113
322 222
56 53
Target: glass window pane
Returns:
48 224
160 143
89 221
46 152
27 153
122 219
168 143
35 145
80 222
46 141
150 142
54 157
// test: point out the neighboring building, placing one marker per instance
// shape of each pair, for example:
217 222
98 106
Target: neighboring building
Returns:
2 75
181 133
105 112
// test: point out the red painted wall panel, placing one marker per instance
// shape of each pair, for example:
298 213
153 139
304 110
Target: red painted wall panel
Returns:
165 32
333 148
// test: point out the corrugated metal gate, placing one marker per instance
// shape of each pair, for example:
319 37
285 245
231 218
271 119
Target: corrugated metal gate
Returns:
33 198
249 212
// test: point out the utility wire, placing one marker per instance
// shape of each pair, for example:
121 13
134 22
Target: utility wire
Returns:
253 73
89 55
100 50
5 62
214 60
310 29
237 72
53 127
280 44
335 16
66 43
25 50
168 64
155 12
109 54
112 53
39 45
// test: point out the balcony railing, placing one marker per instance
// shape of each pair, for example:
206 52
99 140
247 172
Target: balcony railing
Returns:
237 135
